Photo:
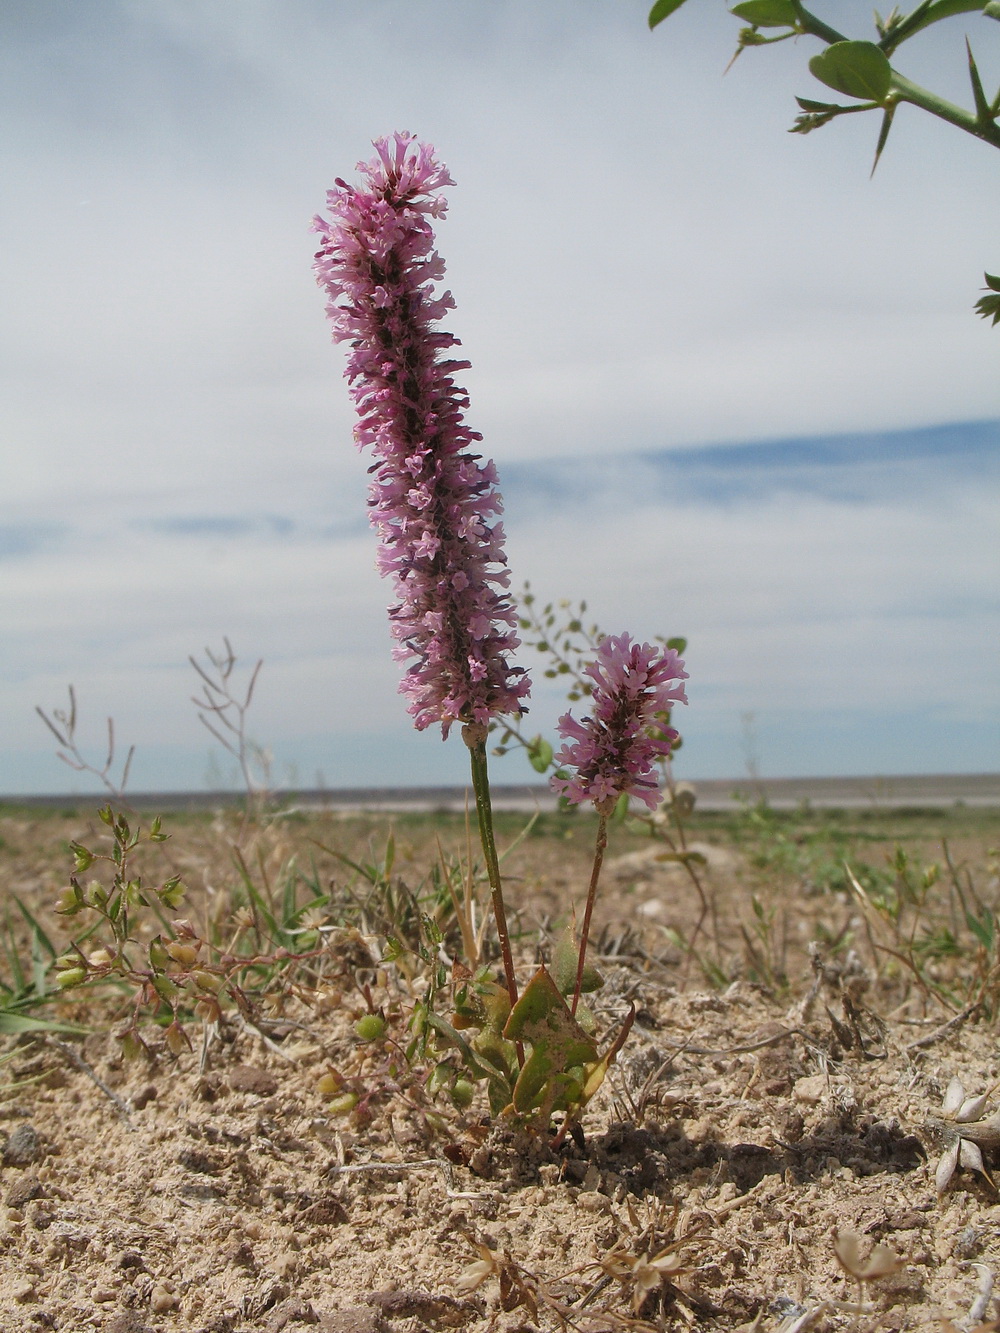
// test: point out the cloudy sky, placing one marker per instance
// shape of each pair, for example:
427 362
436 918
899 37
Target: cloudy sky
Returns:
734 387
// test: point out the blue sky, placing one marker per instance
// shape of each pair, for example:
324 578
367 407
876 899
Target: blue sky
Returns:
734 388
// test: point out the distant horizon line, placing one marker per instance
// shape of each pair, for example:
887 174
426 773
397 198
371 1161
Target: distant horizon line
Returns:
882 790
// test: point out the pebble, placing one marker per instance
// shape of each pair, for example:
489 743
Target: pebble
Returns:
811 1089
246 1079
161 1300
23 1291
24 1190
23 1147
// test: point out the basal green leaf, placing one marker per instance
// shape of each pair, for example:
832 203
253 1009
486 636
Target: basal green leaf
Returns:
858 69
18 1023
542 1019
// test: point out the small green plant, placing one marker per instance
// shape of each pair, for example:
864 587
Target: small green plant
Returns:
178 973
936 929
25 988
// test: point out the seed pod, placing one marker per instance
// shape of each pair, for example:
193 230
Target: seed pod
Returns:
185 954
370 1027
462 1092
72 976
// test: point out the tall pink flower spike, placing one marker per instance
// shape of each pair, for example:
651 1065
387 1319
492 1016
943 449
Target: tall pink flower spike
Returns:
613 752
432 501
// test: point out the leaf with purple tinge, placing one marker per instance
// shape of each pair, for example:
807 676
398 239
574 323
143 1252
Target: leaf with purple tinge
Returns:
554 1073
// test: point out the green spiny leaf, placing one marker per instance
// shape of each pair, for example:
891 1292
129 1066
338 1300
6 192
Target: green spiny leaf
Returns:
662 10
766 13
989 308
858 69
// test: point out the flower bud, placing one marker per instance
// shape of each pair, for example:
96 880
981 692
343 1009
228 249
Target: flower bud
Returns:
70 901
97 894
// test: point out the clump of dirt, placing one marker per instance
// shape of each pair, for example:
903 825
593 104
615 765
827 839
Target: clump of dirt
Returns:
743 1129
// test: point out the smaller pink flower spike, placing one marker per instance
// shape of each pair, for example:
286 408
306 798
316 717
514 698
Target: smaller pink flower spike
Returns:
613 750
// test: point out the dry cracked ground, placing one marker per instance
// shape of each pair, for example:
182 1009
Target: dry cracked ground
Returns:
762 1156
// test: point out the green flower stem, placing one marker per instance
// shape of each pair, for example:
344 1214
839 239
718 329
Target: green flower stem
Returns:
475 739
595 875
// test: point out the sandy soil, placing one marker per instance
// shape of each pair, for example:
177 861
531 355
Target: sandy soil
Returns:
746 1127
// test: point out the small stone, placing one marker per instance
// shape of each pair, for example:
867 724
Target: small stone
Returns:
127 1321
426 1306
294 1310
24 1190
209 1087
195 1160
23 1147
355 1319
811 1089
244 1078
23 1291
144 1097
161 1300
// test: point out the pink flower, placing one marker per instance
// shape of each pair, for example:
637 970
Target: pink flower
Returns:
614 750
432 501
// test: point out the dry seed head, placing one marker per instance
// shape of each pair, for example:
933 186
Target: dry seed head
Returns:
976 1133
185 954
176 1039
477 1273
880 1263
